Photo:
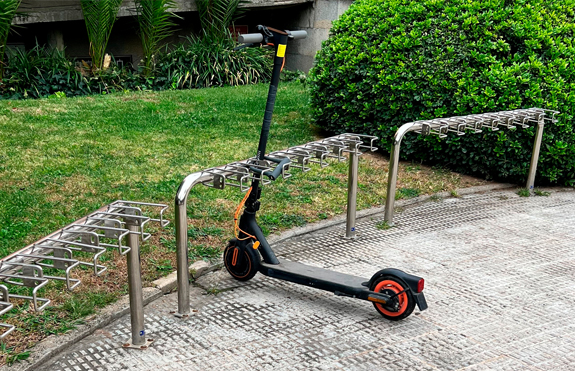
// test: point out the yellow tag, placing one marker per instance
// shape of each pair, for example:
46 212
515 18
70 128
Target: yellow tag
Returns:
281 50
256 245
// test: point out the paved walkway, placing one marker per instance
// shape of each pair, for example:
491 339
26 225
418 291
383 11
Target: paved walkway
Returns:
500 283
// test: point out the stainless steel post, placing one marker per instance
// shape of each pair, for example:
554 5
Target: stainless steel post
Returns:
535 154
136 295
182 241
391 183
393 169
350 231
182 261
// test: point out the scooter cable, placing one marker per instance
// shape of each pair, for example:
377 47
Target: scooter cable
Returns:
237 228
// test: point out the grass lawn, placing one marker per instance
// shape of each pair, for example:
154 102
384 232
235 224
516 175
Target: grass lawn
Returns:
61 159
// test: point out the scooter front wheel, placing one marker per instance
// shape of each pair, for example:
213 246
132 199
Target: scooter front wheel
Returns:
402 303
241 260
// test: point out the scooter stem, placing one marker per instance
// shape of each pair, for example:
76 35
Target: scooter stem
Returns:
280 42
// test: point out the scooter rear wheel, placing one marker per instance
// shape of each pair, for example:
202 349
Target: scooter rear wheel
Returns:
242 261
401 305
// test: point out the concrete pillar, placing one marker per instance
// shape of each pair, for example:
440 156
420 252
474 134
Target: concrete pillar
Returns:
56 39
316 19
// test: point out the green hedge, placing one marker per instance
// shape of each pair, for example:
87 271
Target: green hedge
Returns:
395 61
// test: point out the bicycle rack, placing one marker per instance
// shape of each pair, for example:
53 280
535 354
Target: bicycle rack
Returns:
5 306
107 228
240 174
61 258
475 124
84 245
26 275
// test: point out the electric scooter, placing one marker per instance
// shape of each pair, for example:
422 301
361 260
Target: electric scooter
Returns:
394 293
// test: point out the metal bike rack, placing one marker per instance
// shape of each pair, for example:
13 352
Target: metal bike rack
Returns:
104 229
460 125
5 306
239 175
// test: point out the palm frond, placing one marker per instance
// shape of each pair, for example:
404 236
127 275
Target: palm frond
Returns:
217 15
100 16
156 24
8 9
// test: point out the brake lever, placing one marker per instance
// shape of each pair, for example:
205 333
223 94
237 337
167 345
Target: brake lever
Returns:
267 33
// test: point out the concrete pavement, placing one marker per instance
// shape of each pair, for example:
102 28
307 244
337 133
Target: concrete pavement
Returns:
500 284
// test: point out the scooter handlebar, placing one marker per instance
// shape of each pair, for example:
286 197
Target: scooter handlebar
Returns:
251 38
279 169
296 35
257 38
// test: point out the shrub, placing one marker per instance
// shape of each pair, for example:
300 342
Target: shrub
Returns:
41 72
297 75
396 61
201 62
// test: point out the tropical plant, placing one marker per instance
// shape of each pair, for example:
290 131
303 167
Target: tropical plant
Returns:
155 24
8 10
197 63
100 16
201 62
43 72
390 62
217 15
34 72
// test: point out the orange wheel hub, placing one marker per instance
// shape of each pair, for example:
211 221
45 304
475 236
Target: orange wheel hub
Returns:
391 288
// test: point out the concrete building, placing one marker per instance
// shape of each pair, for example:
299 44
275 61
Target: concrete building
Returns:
59 23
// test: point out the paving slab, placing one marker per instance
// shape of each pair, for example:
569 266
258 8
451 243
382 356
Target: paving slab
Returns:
500 283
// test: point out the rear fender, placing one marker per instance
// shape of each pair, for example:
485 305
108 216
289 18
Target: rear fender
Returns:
409 279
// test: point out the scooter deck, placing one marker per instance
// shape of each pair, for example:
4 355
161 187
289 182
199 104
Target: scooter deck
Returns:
320 278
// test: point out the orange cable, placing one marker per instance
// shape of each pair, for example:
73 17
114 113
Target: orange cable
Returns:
236 216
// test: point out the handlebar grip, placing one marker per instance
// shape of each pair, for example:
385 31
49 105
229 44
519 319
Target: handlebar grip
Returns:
298 34
278 170
251 38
